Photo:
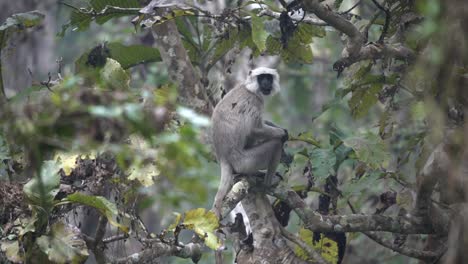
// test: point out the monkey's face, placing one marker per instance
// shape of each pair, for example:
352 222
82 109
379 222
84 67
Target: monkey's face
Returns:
265 83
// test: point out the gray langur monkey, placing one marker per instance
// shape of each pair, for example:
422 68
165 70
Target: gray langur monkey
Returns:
243 142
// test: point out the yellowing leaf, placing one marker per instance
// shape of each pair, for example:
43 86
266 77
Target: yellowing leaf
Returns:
11 249
115 76
143 173
325 246
176 222
204 223
67 160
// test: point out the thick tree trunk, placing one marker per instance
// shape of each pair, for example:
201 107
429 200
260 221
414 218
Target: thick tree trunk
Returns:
28 50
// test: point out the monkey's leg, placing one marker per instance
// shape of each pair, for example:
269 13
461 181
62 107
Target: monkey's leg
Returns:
274 162
264 156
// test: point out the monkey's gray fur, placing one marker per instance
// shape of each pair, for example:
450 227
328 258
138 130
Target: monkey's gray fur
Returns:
242 141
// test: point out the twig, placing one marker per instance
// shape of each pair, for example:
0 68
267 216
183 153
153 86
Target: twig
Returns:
351 9
100 230
306 140
387 20
97 249
3 97
107 10
115 238
356 39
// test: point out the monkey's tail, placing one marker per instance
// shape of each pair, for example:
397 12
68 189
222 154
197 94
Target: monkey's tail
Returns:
224 187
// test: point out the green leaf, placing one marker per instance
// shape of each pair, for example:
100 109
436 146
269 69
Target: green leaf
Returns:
294 52
30 91
386 124
229 40
170 15
363 99
64 244
259 34
42 191
323 162
132 55
204 223
127 56
357 186
81 19
19 22
104 206
369 149
305 32
4 149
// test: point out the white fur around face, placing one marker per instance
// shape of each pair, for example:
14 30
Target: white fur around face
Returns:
252 85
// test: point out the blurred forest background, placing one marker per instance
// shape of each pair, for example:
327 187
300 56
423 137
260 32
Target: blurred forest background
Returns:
104 129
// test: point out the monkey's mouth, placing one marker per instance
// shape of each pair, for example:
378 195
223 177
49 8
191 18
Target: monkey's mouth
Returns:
266 91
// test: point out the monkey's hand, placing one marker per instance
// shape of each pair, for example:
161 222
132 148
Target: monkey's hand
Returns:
268 133
285 137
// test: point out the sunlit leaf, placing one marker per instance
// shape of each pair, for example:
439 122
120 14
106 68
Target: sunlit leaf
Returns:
176 222
144 173
64 244
204 223
325 246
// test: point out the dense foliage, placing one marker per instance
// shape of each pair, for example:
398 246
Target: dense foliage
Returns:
112 151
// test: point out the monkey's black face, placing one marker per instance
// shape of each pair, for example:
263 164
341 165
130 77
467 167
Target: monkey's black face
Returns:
265 83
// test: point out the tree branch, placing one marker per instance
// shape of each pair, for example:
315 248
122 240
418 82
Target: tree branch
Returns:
410 252
238 192
160 249
356 39
375 51
307 19
346 223
180 68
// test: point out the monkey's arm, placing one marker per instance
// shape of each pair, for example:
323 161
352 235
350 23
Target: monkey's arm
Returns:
269 123
267 132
